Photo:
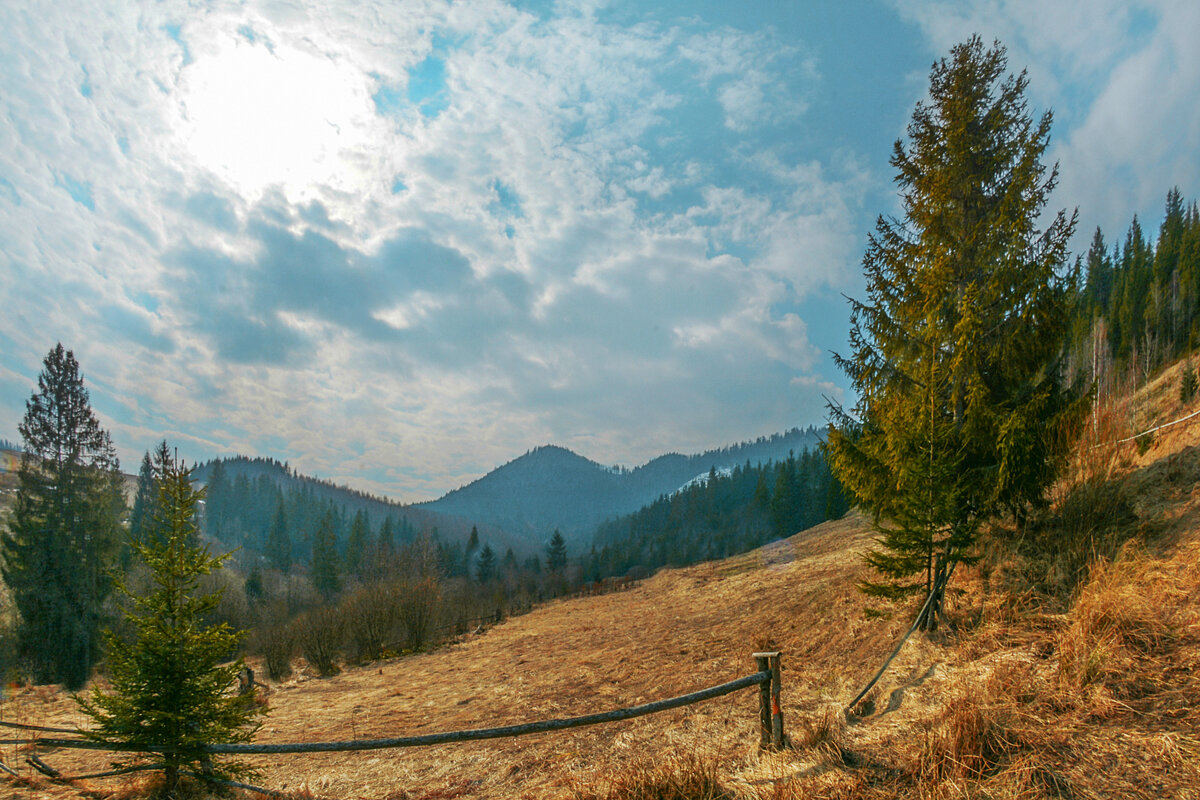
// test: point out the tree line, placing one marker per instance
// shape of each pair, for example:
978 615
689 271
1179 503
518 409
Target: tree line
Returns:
728 513
1139 300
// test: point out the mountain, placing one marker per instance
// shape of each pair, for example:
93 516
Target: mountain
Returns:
552 488
257 484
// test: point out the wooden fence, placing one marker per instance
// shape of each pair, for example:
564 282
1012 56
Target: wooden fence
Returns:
767 678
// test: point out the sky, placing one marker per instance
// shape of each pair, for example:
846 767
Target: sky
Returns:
397 244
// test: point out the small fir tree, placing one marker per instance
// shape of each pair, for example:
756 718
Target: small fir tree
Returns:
142 515
170 684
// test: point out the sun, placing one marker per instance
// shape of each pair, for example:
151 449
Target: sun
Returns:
281 117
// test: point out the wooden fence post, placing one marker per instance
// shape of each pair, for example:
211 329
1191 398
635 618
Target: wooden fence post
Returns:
776 709
770 716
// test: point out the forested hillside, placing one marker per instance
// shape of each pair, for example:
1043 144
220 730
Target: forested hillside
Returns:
1139 304
273 512
551 488
726 513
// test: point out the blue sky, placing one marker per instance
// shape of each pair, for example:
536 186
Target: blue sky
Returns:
398 244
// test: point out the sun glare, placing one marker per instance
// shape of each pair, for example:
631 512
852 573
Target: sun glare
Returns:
262 117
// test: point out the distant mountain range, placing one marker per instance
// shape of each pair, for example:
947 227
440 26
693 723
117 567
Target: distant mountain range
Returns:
351 501
551 488
521 503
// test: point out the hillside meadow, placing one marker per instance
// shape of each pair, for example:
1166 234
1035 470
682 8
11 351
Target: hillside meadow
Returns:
1070 667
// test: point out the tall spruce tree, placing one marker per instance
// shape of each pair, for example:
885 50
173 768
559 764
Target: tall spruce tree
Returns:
279 541
324 571
556 553
356 544
142 515
63 533
170 683
143 520
962 411
485 568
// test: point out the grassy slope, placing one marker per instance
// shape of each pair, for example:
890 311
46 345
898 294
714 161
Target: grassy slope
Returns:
1095 697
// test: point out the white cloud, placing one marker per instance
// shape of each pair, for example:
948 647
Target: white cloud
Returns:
441 288
1121 80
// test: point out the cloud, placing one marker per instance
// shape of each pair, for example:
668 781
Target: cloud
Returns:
528 228
1120 78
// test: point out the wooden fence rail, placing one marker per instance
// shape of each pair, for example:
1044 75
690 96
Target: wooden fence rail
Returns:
770 716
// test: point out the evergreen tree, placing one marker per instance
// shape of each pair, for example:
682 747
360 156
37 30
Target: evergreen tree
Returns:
169 684
253 586
141 518
143 522
216 501
385 548
962 411
63 533
509 563
1188 383
556 553
485 569
279 541
324 557
356 544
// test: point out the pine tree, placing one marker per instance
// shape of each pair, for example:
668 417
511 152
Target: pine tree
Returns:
485 569
169 683
144 498
143 521
63 534
509 563
216 500
356 544
324 558
1187 383
955 356
385 549
279 541
556 553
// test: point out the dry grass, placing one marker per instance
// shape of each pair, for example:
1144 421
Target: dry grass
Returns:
689 777
1074 671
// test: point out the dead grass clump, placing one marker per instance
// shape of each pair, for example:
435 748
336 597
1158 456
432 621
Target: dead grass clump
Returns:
1092 520
153 786
823 731
966 740
689 777
1117 619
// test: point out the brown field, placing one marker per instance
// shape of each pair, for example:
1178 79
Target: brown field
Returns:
1091 693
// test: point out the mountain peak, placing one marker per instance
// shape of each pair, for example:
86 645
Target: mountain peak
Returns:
553 488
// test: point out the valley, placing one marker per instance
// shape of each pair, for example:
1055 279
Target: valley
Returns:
993 705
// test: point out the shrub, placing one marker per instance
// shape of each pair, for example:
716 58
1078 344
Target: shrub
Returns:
371 616
275 641
417 606
319 634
